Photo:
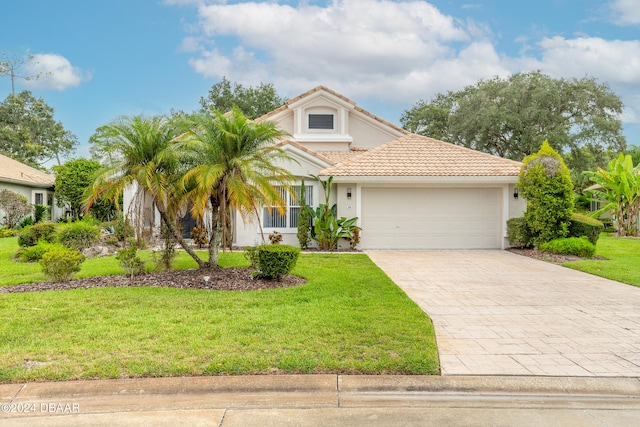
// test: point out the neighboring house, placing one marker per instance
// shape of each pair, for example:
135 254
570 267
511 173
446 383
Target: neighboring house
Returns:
407 191
35 185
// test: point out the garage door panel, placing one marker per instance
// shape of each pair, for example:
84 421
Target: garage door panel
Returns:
420 218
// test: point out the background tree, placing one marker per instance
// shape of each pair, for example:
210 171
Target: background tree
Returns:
15 207
233 166
619 191
509 117
252 101
634 152
72 180
545 183
10 65
29 132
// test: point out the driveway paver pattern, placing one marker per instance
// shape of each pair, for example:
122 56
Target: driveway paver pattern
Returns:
498 313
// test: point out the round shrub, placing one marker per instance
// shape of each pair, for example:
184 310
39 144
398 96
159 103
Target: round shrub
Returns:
519 234
35 253
60 265
273 261
583 225
579 246
7 232
78 235
30 235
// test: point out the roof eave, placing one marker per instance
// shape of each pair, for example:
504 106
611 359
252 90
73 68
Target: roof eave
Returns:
467 180
26 183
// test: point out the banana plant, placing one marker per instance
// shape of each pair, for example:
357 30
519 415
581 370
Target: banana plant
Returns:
327 228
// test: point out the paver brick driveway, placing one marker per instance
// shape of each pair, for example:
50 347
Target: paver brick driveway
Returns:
498 313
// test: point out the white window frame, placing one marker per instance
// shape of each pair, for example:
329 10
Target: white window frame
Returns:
273 221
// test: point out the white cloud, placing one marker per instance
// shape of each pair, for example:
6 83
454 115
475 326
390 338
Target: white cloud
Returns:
626 12
54 72
388 51
347 45
615 61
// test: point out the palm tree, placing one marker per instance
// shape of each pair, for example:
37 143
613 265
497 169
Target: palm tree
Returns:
233 168
147 160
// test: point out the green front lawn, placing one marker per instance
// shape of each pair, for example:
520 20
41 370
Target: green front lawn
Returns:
622 260
349 318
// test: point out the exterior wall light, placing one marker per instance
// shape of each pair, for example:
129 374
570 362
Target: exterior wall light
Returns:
349 193
515 193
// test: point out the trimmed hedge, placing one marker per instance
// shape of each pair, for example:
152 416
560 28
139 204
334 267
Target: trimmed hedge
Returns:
60 265
32 234
519 234
579 246
583 225
273 261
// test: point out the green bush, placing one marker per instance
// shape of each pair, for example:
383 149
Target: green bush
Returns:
583 225
519 234
130 261
273 261
7 232
579 246
60 265
29 236
35 253
78 235
545 183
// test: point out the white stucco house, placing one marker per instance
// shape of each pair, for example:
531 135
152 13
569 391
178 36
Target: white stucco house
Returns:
407 191
34 184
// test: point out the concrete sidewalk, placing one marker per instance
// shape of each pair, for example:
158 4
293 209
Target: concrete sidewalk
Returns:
325 400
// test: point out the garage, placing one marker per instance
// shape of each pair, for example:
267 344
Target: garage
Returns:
431 218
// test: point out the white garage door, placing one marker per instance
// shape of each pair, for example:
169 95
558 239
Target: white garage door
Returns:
434 218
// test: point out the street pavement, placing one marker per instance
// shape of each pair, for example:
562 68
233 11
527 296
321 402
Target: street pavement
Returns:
326 400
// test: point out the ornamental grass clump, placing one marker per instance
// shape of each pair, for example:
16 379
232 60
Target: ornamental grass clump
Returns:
78 235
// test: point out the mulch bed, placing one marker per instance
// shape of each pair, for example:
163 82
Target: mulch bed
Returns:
545 256
220 279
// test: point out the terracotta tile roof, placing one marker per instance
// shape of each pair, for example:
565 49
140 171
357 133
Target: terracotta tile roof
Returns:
416 155
13 171
341 156
336 94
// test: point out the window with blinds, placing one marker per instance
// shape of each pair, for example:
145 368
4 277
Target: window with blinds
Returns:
272 218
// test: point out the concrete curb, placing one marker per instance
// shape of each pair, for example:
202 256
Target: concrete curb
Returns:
323 383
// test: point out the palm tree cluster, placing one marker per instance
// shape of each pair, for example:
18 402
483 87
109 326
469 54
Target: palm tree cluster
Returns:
212 162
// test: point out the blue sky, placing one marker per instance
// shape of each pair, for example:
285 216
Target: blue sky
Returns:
106 58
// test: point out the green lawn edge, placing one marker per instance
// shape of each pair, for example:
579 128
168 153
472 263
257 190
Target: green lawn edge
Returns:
621 263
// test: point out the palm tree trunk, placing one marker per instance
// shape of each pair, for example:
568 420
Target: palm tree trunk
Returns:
216 237
173 230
